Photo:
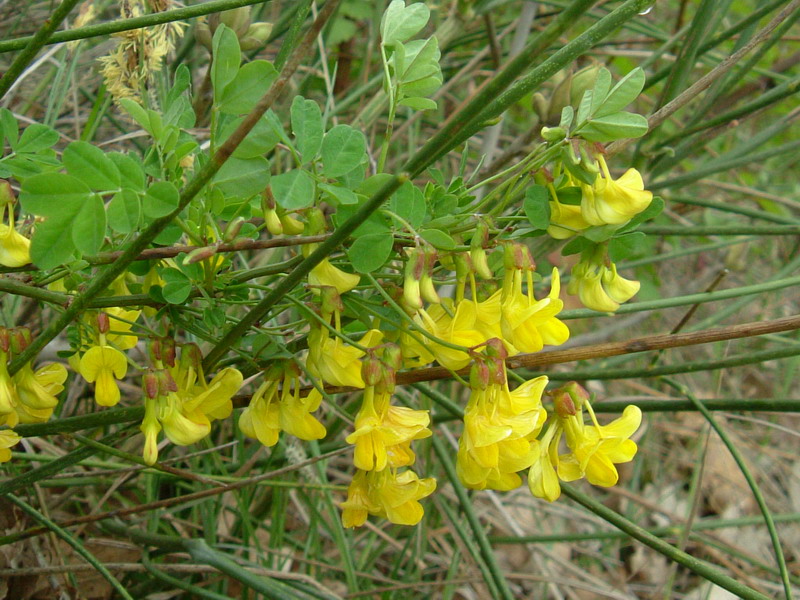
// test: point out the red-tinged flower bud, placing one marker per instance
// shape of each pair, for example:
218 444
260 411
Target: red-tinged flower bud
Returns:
20 339
387 380
166 383
497 371
371 370
191 356
330 300
564 405
200 254
5 339
6 193
232 230
577 392
427 289
479 375
150 384
496 349
415 267
393 356
103 324
155 350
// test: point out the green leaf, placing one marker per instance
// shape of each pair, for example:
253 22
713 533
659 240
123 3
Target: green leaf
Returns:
124 211
375 223
623 246
438 239
161 198
227 56
37 137
243 177
401 22
537 206
600 233
419 103
584 108
343 149
177 286
567 116
600 91
626 91
137 113
621 125
250 84
307 127
576 246
10 127
293 189
261 139
90 164
408 203
53 195
131 173
89 228
370 252
339 194
52 244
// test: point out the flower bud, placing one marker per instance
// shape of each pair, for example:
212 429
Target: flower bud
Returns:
5 339
330 300
6 193
166 383
273 221
479 375
553 134
371 371
232 230
393 356
150 384
564 406
292 226
237 19
582 80
191 357
576 392
255 36
102 323
315 221
200 254
415 267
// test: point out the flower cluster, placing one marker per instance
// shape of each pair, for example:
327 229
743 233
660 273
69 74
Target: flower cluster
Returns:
607 202
29 396
382 439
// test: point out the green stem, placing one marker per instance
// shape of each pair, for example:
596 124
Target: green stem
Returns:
33 44
702 230
478 530
668 530
737 456
740 210
69 539
642 535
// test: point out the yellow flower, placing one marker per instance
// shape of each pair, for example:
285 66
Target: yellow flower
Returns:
121 321
104 365
613 202
267 414
458 330
14 247
542 476
601 288
213 398
150 427
37 393
566 220
527 323
261 419
379 427
9 398
389 494
358 505
596 449
499 438
617 287
181 427
327 274
8 439
336 362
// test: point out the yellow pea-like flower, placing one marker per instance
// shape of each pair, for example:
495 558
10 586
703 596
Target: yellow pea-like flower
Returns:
103 366
14 247
612 201
8 439
388 494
